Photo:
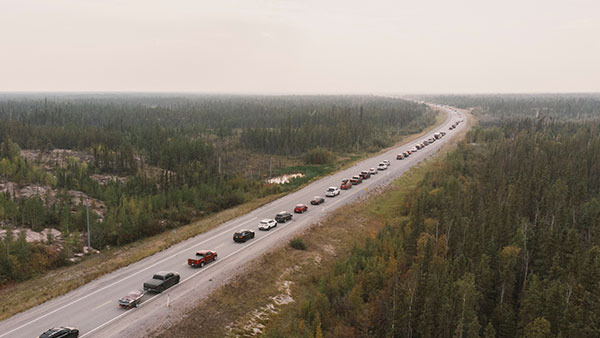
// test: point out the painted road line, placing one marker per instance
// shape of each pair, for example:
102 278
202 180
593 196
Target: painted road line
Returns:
183 281
101 305
117 282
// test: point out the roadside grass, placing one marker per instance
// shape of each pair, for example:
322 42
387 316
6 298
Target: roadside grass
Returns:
247 302
18 297
246 306
22 296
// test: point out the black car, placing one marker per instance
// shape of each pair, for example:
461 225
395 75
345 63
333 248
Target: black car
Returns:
60 332
161 281
283 217
243 235
317 200
365 174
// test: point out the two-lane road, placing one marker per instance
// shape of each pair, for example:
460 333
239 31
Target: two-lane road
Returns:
93 307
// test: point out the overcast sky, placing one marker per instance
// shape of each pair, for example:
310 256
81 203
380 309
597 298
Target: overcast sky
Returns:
303 46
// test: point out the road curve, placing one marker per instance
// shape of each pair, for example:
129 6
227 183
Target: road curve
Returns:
93 308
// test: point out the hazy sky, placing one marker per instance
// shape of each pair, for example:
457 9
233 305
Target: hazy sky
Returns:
303 46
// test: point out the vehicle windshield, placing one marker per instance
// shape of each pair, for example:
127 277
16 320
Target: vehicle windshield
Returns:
199 254
264 222
331 189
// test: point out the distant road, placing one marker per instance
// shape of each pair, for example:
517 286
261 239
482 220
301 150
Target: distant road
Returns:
93 308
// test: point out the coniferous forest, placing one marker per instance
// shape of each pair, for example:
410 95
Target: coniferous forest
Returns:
500 239
150 163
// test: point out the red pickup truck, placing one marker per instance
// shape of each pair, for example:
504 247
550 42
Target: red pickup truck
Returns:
202 257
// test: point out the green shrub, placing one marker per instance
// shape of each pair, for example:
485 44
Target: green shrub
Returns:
318 155
298 244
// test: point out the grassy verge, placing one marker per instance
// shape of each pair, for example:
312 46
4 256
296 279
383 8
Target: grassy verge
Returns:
266 278
22 296
280 280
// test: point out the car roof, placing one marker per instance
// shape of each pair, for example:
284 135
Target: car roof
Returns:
203 251
242 230
317 197
300 205
332 188
266 220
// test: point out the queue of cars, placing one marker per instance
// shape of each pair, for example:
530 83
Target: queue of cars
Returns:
163 280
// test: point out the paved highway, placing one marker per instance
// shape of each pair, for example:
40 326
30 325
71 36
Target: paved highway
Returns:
93 308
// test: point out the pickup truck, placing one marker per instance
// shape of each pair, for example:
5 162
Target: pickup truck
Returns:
161 281
202 257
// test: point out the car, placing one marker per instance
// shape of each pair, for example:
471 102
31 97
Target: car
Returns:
332 192
132 299
381 166
161 281
317 200
60 332
283 216
267 224
345 184
406 154
365 174
426 142
300 208
243 235
399 157
356 180
202 257
387 163
414 150
373 171
418 146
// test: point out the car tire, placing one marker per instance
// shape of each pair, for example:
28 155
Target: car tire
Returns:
201 264
160 289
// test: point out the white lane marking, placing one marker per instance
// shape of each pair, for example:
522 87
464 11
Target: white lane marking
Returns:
101 305
183 281
167 258
219 246
119 281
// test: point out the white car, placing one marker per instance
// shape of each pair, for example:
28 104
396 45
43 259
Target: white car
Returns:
387 163
373 171
267 224
332 192
414 149
381 166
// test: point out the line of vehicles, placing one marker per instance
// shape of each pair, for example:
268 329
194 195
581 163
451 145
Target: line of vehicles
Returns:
163 280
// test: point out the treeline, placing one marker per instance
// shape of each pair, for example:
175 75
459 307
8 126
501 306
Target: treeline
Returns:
180 157
154 125
502 239
556 106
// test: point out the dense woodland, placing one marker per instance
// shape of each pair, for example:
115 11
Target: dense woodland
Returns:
181 157
501 239
554 106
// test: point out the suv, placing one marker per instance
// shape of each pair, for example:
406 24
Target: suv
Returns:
381 166
332 192
60 332
243 235
365 174
267 224
346 184
283 216
300 208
